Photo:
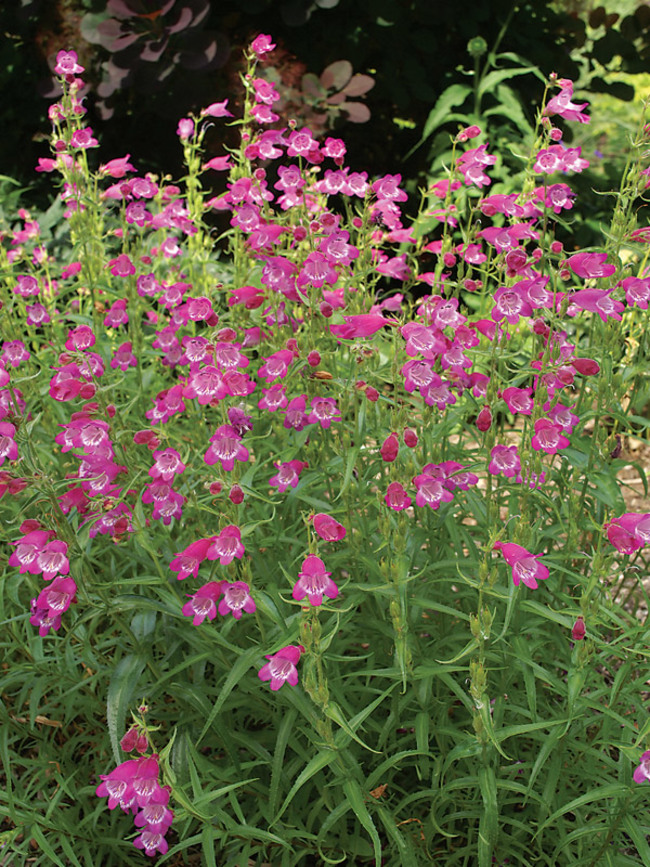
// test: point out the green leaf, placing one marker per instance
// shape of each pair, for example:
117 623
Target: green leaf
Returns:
120 692
354 796
489 822
236 673
333 711
494 78
320 761
453 96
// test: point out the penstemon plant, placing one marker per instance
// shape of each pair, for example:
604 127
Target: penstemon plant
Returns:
302 569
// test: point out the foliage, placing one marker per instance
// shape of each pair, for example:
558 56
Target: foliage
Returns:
413 626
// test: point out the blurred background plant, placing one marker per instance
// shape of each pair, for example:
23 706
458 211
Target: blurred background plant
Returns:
182 54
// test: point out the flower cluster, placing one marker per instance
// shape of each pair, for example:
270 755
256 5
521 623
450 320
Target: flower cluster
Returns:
134 787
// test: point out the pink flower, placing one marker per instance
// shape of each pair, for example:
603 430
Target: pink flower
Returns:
151 843
627 533
52 559
167 464
396 497
8 447
262 45
548 437
236 598
83 138
314 582
226 448
324 411
281 667
642 773
185 129
589 265
288 475
57 597
504 460
361 325
187 562
328 528
598 301
124 357
525 566
66 64
519 400
562 105
203 603
117 168
431 491
219 164
227 545
217 109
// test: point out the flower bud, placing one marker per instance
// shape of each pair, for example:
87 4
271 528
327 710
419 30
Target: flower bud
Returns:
484 419
410 438
326 309
236 495
390 448
313 359
372 394
578 631
129 740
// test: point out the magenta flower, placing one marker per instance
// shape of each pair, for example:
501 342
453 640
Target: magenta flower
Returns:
598 301
519 400
360 325
590 265
431 491
151 843
642 773
525 566
227 545
167 464
217 109
203 603
324 411
67 65
562 105
124 357
8 447
117 168
57 597
328 528
396 497
549 437
236 598
627 533
155 817
288 475
185 129
276 366
226 448
281 667
116 315
52 559
504 460
28 547
314 582
262 45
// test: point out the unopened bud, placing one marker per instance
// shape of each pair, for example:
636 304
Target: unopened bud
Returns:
484 419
